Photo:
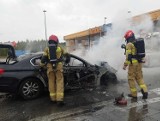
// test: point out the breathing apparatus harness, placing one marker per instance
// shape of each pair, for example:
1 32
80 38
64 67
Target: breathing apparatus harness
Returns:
52 53
139 45
140 49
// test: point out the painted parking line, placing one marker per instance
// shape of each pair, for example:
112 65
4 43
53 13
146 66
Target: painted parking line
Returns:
156 90
80 110
84 109
143 102
152 91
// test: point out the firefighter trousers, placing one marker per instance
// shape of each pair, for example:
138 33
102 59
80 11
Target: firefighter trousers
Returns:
135 76
55 82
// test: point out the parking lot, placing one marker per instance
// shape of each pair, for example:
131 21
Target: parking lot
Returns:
91 105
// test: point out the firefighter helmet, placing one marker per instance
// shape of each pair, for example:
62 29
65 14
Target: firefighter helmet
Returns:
129 36
53 38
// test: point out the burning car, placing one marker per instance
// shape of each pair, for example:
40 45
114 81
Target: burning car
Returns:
23 75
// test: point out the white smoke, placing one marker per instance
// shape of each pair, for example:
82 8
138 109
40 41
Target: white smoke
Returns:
109 46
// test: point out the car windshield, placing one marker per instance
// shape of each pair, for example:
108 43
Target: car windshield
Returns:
76 62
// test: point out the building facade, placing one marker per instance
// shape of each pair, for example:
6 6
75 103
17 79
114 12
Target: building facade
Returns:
85 39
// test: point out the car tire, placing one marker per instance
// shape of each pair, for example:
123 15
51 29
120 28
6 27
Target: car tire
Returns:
30 88
108 78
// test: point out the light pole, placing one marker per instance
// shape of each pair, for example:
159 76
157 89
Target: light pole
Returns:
105 20
130 17
130 14
103 27
129 11
45 25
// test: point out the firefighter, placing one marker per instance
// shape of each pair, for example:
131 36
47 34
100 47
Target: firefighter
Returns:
52 56
134 67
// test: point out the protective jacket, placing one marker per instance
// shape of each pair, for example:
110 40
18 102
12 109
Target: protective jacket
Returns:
130 54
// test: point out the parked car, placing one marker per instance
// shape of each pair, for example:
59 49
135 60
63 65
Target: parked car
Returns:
23 75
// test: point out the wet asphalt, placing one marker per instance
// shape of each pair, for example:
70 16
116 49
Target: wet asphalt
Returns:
17 109
95 104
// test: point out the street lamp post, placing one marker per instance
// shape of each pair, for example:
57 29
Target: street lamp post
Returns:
129 11
105 20
103 27
89 38
130 14
45 25
130 17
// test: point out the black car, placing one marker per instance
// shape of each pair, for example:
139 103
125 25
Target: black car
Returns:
23 76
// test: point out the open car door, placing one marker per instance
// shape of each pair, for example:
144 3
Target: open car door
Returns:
7 53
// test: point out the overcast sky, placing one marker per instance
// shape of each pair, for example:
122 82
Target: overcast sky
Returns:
24 19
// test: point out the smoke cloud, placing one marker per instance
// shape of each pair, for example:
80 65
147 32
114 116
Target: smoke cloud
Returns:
109 46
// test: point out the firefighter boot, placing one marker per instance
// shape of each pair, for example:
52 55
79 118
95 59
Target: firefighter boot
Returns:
60 103
145 94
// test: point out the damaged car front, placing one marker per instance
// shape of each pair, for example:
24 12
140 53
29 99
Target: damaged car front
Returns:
106 73
78 73
82 73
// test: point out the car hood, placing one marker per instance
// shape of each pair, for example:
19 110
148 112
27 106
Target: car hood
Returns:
104 67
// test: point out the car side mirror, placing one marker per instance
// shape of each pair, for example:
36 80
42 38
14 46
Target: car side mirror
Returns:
123 46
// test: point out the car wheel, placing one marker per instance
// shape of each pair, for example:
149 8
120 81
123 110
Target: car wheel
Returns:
30 88
108 78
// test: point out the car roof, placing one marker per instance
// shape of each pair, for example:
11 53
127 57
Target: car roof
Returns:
38 54
28 56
